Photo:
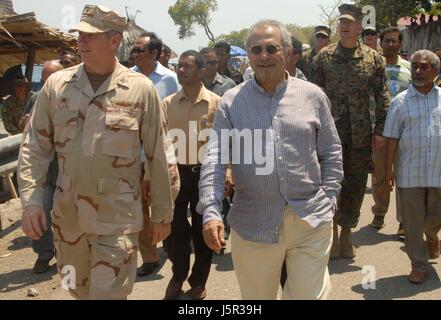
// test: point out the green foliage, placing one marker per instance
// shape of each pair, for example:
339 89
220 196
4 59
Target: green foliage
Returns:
235 38
189 13
388 12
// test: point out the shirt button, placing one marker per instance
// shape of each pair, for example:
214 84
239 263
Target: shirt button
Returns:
275 118
280 158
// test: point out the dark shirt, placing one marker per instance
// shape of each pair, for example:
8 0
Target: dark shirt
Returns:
233 74
221 84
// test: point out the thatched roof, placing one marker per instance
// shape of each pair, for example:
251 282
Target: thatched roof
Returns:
131 33
6 8
19 32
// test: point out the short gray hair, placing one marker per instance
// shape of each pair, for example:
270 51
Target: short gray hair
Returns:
285 34
434 59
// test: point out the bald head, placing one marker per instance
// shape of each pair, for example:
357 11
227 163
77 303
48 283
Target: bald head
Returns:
50 67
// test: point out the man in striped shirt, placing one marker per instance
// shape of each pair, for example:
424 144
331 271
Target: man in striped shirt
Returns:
413 127
283 205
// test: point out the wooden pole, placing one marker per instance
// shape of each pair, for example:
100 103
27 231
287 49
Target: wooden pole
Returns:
11 187
30 65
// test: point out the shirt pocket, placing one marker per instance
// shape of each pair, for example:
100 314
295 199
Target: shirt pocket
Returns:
65 128
120 135
117 200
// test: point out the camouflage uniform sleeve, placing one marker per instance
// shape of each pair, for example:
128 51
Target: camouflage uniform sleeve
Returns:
381 94
8 118
36 152
156 166
317 74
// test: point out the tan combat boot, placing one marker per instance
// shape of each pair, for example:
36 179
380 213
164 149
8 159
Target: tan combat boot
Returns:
335 249
347 250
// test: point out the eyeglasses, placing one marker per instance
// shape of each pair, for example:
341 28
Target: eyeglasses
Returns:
139 50
212 62
422 66
271 49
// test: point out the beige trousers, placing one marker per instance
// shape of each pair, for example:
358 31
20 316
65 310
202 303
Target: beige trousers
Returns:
380 192
306 251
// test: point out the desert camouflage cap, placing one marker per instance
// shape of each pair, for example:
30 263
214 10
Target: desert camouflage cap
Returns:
351 12
99 19
323 30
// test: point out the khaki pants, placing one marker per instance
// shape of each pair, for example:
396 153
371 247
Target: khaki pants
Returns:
102 267
380 192
421 211
306 251
148 251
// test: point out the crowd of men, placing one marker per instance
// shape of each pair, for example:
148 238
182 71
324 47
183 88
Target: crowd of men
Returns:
112 158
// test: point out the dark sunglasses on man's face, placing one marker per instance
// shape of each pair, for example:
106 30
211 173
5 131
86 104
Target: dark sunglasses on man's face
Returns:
212 62
321 36
271 49
139 50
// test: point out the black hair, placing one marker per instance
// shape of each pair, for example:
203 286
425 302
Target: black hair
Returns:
198 57
207 50
297 45
391 30
223 44
155 42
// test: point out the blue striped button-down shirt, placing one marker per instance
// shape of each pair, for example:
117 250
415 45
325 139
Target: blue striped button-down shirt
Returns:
415 119
295 131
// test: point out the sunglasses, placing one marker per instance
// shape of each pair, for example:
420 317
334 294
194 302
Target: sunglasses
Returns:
139 50
271 49
321 36
212 62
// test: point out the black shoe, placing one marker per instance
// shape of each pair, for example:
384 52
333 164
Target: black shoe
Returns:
41 266
147 268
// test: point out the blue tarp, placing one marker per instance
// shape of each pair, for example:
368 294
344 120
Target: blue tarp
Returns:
237 52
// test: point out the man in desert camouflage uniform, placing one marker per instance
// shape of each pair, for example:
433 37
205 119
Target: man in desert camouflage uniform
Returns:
96 116
348 71
13 106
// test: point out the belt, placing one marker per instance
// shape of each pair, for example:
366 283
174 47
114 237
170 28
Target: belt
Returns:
196 168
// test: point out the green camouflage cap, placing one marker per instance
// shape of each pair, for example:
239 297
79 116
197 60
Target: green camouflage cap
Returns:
350 12
99 19
323 30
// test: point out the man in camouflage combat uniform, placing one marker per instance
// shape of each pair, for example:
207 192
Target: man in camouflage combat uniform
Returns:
96 116
13 106
348 71
322 39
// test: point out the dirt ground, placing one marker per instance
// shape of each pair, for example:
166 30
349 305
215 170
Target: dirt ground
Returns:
17 258
380 256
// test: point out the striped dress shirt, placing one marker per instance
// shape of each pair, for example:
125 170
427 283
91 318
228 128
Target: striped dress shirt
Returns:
415 119
295 130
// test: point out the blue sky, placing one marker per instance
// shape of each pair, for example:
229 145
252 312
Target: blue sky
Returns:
232 15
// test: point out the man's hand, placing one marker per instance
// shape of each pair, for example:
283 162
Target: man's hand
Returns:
390 180
146 191
34 222
229 187
378 143
159 232
214 235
